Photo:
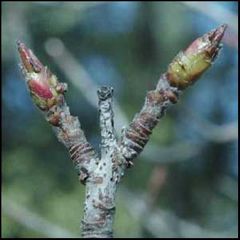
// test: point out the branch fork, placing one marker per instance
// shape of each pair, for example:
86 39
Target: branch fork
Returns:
101 175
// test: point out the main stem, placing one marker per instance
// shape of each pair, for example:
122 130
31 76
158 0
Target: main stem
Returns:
101 186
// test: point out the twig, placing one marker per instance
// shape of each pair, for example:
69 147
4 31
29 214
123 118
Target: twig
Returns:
48 95
80 78
182 72
102 176
101 187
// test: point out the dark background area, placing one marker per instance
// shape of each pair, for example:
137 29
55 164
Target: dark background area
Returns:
185 182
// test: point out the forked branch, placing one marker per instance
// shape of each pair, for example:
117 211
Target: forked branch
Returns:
102 175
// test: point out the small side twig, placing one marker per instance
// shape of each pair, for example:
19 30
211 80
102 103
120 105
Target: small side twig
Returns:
48 95
182 72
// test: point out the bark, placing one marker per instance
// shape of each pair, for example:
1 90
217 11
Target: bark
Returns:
101 186
182 72
102 175
48 95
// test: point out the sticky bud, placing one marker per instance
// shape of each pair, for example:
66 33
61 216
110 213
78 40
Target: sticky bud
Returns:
42 84
188 65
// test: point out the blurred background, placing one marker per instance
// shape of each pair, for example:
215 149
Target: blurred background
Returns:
184 184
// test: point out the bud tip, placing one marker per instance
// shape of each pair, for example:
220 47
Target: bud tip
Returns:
217 34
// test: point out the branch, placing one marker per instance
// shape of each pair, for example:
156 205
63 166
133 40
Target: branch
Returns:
101 188
106 118
102 176
48 95
182 72
74 71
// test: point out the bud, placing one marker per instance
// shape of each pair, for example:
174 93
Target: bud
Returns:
30 63
44 88
188 65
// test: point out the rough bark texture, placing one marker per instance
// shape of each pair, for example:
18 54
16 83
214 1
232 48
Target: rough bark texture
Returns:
101 186
48 95
102 175
138 133
182 72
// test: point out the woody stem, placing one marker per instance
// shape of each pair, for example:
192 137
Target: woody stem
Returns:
101 186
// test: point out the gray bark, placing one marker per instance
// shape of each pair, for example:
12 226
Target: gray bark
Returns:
101 186
102 175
